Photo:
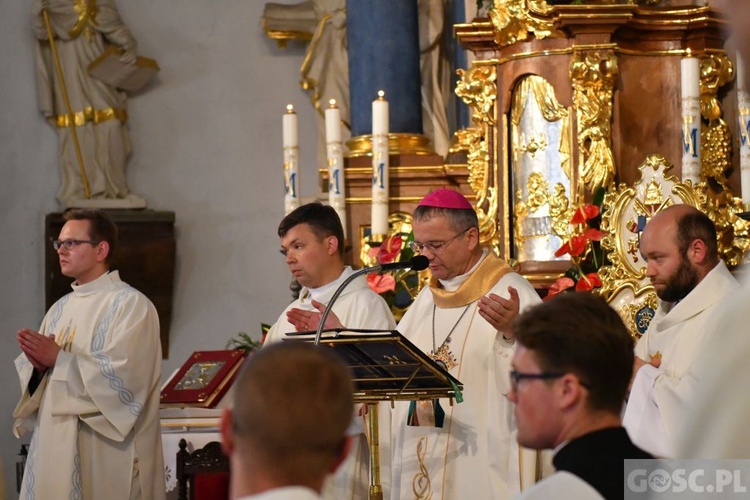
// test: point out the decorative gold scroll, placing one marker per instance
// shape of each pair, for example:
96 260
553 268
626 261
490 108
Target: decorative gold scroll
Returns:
716 70
732 231
478 90
593 74
516 20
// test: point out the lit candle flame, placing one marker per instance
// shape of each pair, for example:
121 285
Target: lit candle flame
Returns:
332 103
289 108
381 94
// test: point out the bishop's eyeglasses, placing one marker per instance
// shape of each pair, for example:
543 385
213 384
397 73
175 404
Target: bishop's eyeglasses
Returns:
433 246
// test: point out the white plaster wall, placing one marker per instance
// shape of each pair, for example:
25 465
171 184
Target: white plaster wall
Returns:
207 145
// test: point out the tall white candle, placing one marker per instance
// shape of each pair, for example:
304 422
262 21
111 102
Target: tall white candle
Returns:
743 114
290 140
335 154
380 165
691 118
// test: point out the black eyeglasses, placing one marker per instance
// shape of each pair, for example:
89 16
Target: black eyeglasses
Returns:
516 376
70 244
434 246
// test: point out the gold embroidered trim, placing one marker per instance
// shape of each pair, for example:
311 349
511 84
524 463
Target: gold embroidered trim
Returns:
476 286
421 483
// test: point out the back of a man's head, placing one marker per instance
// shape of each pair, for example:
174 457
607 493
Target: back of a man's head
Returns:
580 333
292 406
322 219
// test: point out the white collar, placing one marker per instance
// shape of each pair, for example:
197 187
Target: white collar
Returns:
452 284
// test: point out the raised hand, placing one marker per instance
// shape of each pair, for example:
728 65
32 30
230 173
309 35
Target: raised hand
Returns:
500 312
307 321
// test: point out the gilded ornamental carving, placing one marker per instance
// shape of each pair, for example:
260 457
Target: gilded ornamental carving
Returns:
593 74
477 88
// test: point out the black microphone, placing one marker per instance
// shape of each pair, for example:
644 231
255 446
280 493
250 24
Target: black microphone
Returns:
416 263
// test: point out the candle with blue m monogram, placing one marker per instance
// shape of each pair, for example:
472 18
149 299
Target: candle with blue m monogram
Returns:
691 118
380 165
290 139
335 156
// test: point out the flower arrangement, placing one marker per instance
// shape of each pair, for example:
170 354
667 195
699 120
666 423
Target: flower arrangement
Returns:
400 287
584 247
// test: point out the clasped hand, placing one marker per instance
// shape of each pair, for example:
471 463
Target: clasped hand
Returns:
41 350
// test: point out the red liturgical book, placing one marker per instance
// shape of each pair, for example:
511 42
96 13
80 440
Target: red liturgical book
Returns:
204 378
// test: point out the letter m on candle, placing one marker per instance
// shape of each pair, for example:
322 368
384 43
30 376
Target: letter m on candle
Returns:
690 141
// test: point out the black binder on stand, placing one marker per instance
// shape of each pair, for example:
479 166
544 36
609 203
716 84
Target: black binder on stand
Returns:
385 367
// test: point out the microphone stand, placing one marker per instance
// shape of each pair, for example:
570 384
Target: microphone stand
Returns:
415 263
376 489
355 275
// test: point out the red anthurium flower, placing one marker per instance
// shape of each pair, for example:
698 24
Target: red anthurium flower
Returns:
558 286
575 246
584 213
593 234
588 282
390 249
380 283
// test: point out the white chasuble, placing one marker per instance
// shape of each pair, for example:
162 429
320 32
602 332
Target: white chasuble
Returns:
95 416
679 333
357 307
475 453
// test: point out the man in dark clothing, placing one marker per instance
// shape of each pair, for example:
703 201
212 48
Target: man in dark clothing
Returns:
571 368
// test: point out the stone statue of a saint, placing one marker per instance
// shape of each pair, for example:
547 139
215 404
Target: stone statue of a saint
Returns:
93 158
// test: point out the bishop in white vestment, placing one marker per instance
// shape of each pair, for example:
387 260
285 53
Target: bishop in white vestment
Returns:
450 450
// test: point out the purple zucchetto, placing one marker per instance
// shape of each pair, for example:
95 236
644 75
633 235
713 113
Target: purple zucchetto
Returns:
446 198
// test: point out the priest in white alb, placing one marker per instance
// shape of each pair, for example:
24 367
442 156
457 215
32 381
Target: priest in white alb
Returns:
312 241
90 379
692 283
